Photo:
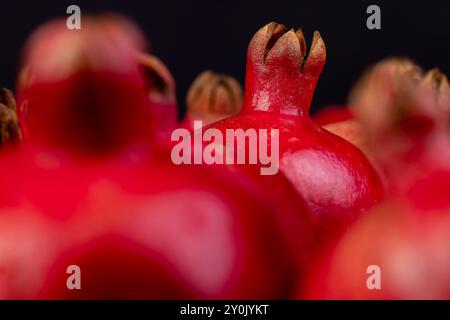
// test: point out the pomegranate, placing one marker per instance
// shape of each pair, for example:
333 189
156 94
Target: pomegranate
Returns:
91 189
334 177
401 248
50 79
212 97
9 127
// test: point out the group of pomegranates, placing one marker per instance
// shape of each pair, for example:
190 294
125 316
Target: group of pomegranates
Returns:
87 179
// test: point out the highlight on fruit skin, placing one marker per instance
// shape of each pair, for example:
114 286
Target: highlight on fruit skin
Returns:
10 132
212 97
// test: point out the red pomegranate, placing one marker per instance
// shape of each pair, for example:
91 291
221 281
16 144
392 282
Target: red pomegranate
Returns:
334 177
56 72
90 189
212 97
401 248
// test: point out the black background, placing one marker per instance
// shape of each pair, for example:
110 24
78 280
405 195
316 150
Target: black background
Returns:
190 36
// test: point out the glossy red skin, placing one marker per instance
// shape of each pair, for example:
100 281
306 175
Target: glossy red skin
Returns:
410 245
335 179
332 114
408 235
111 201
347 183
218 241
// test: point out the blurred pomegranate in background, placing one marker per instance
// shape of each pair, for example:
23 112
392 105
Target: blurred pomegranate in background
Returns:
91 188
212 97
340 121
10 132
336 180
407 238
332 114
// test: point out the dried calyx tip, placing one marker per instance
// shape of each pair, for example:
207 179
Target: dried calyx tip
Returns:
7 99
280 40
9 127
159 81
212 93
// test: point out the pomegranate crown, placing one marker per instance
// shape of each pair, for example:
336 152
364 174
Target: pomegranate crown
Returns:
159 82
279 74
401 108
213 94
9 126
396 91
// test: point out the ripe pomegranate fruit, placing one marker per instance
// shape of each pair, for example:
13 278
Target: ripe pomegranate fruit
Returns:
9 127
406 238
333 176
90 189
212 97
49 80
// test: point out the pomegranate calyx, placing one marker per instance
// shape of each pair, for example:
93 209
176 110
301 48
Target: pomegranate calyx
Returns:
9 126
317 56
280 76
275 42
400 109
214 94
396 89
437 82
159 81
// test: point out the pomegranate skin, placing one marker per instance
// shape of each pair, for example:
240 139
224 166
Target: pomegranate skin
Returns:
332 114
335 178
111 201
410 247
182 238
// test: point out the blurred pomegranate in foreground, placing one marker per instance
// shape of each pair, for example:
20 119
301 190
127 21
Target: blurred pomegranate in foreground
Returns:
401 248
335 179
68 68
212 97
91 189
